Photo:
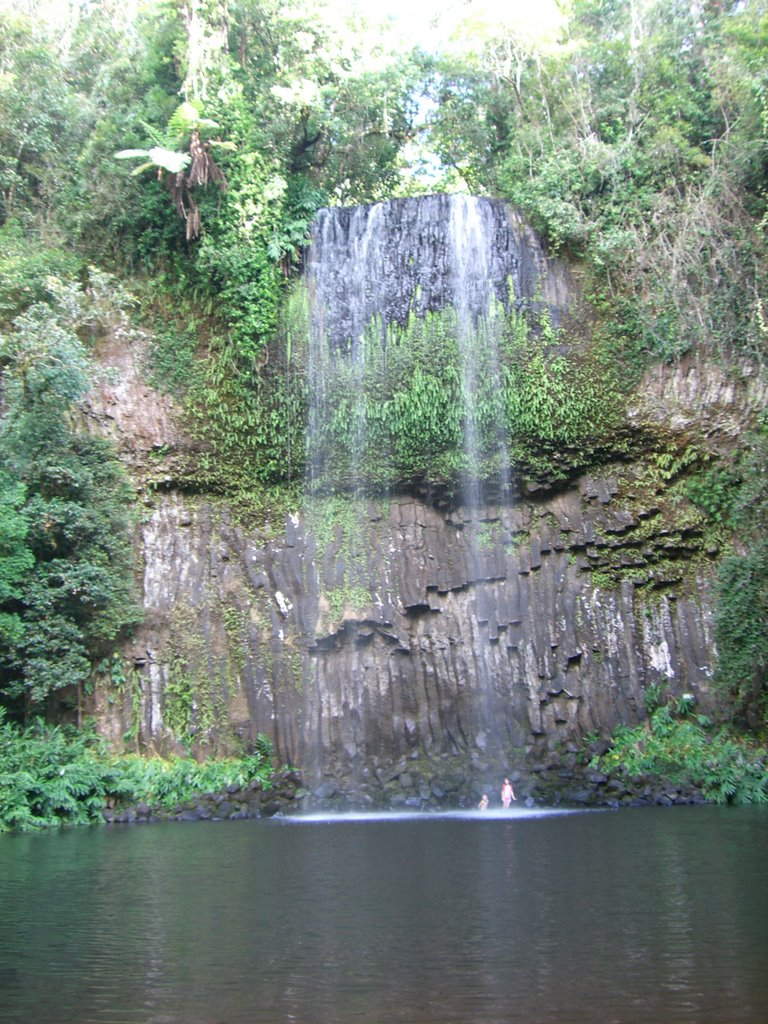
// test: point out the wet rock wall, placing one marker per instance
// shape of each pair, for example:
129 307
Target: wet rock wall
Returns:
412 638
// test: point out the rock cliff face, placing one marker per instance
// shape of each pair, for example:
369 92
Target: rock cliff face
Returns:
508 658
404 256
410 648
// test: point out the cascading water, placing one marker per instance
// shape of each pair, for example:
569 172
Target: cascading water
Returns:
345 262
409 301
470 235
470 239
371 270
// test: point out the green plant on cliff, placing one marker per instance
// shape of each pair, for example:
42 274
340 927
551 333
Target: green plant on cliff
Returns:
741 630
741 617
251 420
189 711
686 750
564 410
346 597
16 558
736 496
400 411
76 599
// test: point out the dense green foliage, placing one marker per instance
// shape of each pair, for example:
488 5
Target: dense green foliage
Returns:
639 145
50 776
741 621
66 589
686 750
636 144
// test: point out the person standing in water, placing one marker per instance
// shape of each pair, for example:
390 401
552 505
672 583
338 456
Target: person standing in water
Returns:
507 793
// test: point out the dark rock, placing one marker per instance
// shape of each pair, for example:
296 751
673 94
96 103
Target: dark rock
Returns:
579 796
325 791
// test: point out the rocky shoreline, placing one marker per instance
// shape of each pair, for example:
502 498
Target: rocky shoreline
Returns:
282 795
557 784
554 784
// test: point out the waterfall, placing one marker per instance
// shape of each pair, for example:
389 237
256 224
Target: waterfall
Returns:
409 303
392 258
373 273
471 236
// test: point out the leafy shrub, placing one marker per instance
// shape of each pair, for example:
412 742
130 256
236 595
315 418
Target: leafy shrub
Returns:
714 492
48 777
25 267
164 783
78 596
686 750
51 776
741 632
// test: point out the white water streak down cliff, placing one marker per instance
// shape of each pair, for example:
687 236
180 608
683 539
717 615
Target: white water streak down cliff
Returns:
373 267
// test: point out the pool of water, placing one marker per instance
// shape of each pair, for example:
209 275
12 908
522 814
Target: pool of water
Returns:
653 915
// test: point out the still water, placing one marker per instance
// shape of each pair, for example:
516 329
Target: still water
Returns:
652 915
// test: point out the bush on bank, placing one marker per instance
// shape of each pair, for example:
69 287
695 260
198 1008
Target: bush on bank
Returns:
52 776
688 750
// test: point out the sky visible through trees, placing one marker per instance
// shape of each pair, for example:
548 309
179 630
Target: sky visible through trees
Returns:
631 133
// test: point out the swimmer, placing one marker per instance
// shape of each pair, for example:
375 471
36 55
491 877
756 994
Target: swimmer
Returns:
507 793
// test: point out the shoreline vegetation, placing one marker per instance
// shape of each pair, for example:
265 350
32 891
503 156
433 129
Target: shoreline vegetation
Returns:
51 776
55 775
633 141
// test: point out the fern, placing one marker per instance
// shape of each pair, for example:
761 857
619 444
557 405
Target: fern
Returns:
687 751
54 776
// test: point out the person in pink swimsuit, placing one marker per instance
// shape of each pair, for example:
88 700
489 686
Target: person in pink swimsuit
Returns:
507 793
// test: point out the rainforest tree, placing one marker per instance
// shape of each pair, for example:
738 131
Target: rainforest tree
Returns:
631 132
66 592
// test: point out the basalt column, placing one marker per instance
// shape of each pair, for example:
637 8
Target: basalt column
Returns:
380 279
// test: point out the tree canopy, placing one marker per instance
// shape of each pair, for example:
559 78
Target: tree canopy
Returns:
632 133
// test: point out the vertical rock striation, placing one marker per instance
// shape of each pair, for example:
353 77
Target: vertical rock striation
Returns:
403 633
396 258
249 634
